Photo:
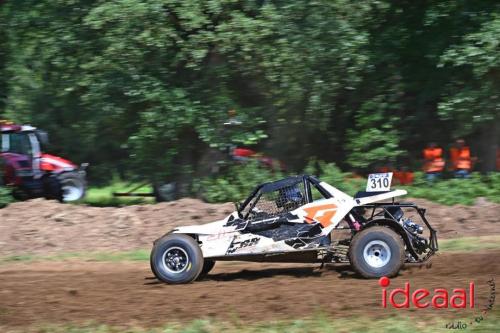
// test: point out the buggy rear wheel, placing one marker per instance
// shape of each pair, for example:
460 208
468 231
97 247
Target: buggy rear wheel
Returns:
376 252
176 259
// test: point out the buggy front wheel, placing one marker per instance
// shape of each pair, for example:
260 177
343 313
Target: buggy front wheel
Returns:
176 259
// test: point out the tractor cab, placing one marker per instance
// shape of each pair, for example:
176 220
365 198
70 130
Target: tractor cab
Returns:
19 140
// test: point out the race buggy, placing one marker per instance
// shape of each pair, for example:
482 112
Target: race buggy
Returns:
302 219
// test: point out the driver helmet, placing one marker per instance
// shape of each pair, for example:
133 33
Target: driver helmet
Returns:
290 197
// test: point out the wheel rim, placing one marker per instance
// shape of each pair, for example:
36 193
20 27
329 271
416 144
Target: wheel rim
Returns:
72 190
175 260
377 253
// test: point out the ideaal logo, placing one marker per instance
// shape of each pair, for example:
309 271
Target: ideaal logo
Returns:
422 298
458 298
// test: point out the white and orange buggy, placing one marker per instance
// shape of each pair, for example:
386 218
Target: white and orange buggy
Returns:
302 219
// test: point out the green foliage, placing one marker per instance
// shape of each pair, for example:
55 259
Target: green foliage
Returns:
331 174
5 196
474 98
457 191
142 87
103 196
235 184
240 180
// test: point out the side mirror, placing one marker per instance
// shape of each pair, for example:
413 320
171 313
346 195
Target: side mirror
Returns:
43 137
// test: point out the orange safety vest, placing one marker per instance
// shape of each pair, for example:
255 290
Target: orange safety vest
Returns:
460 158
433 160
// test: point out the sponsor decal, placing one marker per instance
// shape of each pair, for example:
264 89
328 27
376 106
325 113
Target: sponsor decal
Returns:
237 245
321 213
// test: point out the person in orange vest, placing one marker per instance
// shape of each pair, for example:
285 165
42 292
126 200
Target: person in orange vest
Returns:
461 160
433 162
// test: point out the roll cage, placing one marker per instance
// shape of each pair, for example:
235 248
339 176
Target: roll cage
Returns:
305 182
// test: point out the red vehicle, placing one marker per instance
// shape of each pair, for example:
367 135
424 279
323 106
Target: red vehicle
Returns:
34 174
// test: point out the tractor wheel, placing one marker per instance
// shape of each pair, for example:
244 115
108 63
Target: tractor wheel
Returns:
176 259
52 188
164 192
208 264
73 186
376 252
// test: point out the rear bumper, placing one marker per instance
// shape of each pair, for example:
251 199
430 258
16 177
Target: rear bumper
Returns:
380 210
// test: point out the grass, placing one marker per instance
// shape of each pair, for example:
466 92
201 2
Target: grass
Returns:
446 245
134 255
103 196
469 244
319 323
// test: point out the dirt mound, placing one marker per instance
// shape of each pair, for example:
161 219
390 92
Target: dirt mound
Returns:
44 227
125 294
481 219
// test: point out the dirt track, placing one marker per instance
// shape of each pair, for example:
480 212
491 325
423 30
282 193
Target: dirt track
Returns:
44 227
126 294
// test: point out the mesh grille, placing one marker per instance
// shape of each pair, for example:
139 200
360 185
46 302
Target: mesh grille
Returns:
280 201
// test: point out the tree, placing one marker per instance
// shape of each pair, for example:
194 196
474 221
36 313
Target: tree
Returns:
473 98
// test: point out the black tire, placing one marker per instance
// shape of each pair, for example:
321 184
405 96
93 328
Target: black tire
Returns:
186 261
164 192
73 186
376 252
52 188
208 265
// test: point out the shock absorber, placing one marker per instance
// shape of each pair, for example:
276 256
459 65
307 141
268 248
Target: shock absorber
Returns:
353 223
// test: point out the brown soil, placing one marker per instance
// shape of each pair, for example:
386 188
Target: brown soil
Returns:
125 294
44 227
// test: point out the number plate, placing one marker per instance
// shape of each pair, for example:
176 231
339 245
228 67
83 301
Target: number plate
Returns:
378 182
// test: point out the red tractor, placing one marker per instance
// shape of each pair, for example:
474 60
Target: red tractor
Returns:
34 174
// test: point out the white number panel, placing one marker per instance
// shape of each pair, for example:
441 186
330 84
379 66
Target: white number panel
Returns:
378 182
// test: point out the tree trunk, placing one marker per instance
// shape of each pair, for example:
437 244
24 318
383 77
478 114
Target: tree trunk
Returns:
488 145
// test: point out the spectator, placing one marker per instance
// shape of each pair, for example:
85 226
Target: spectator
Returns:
461 159
433 162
